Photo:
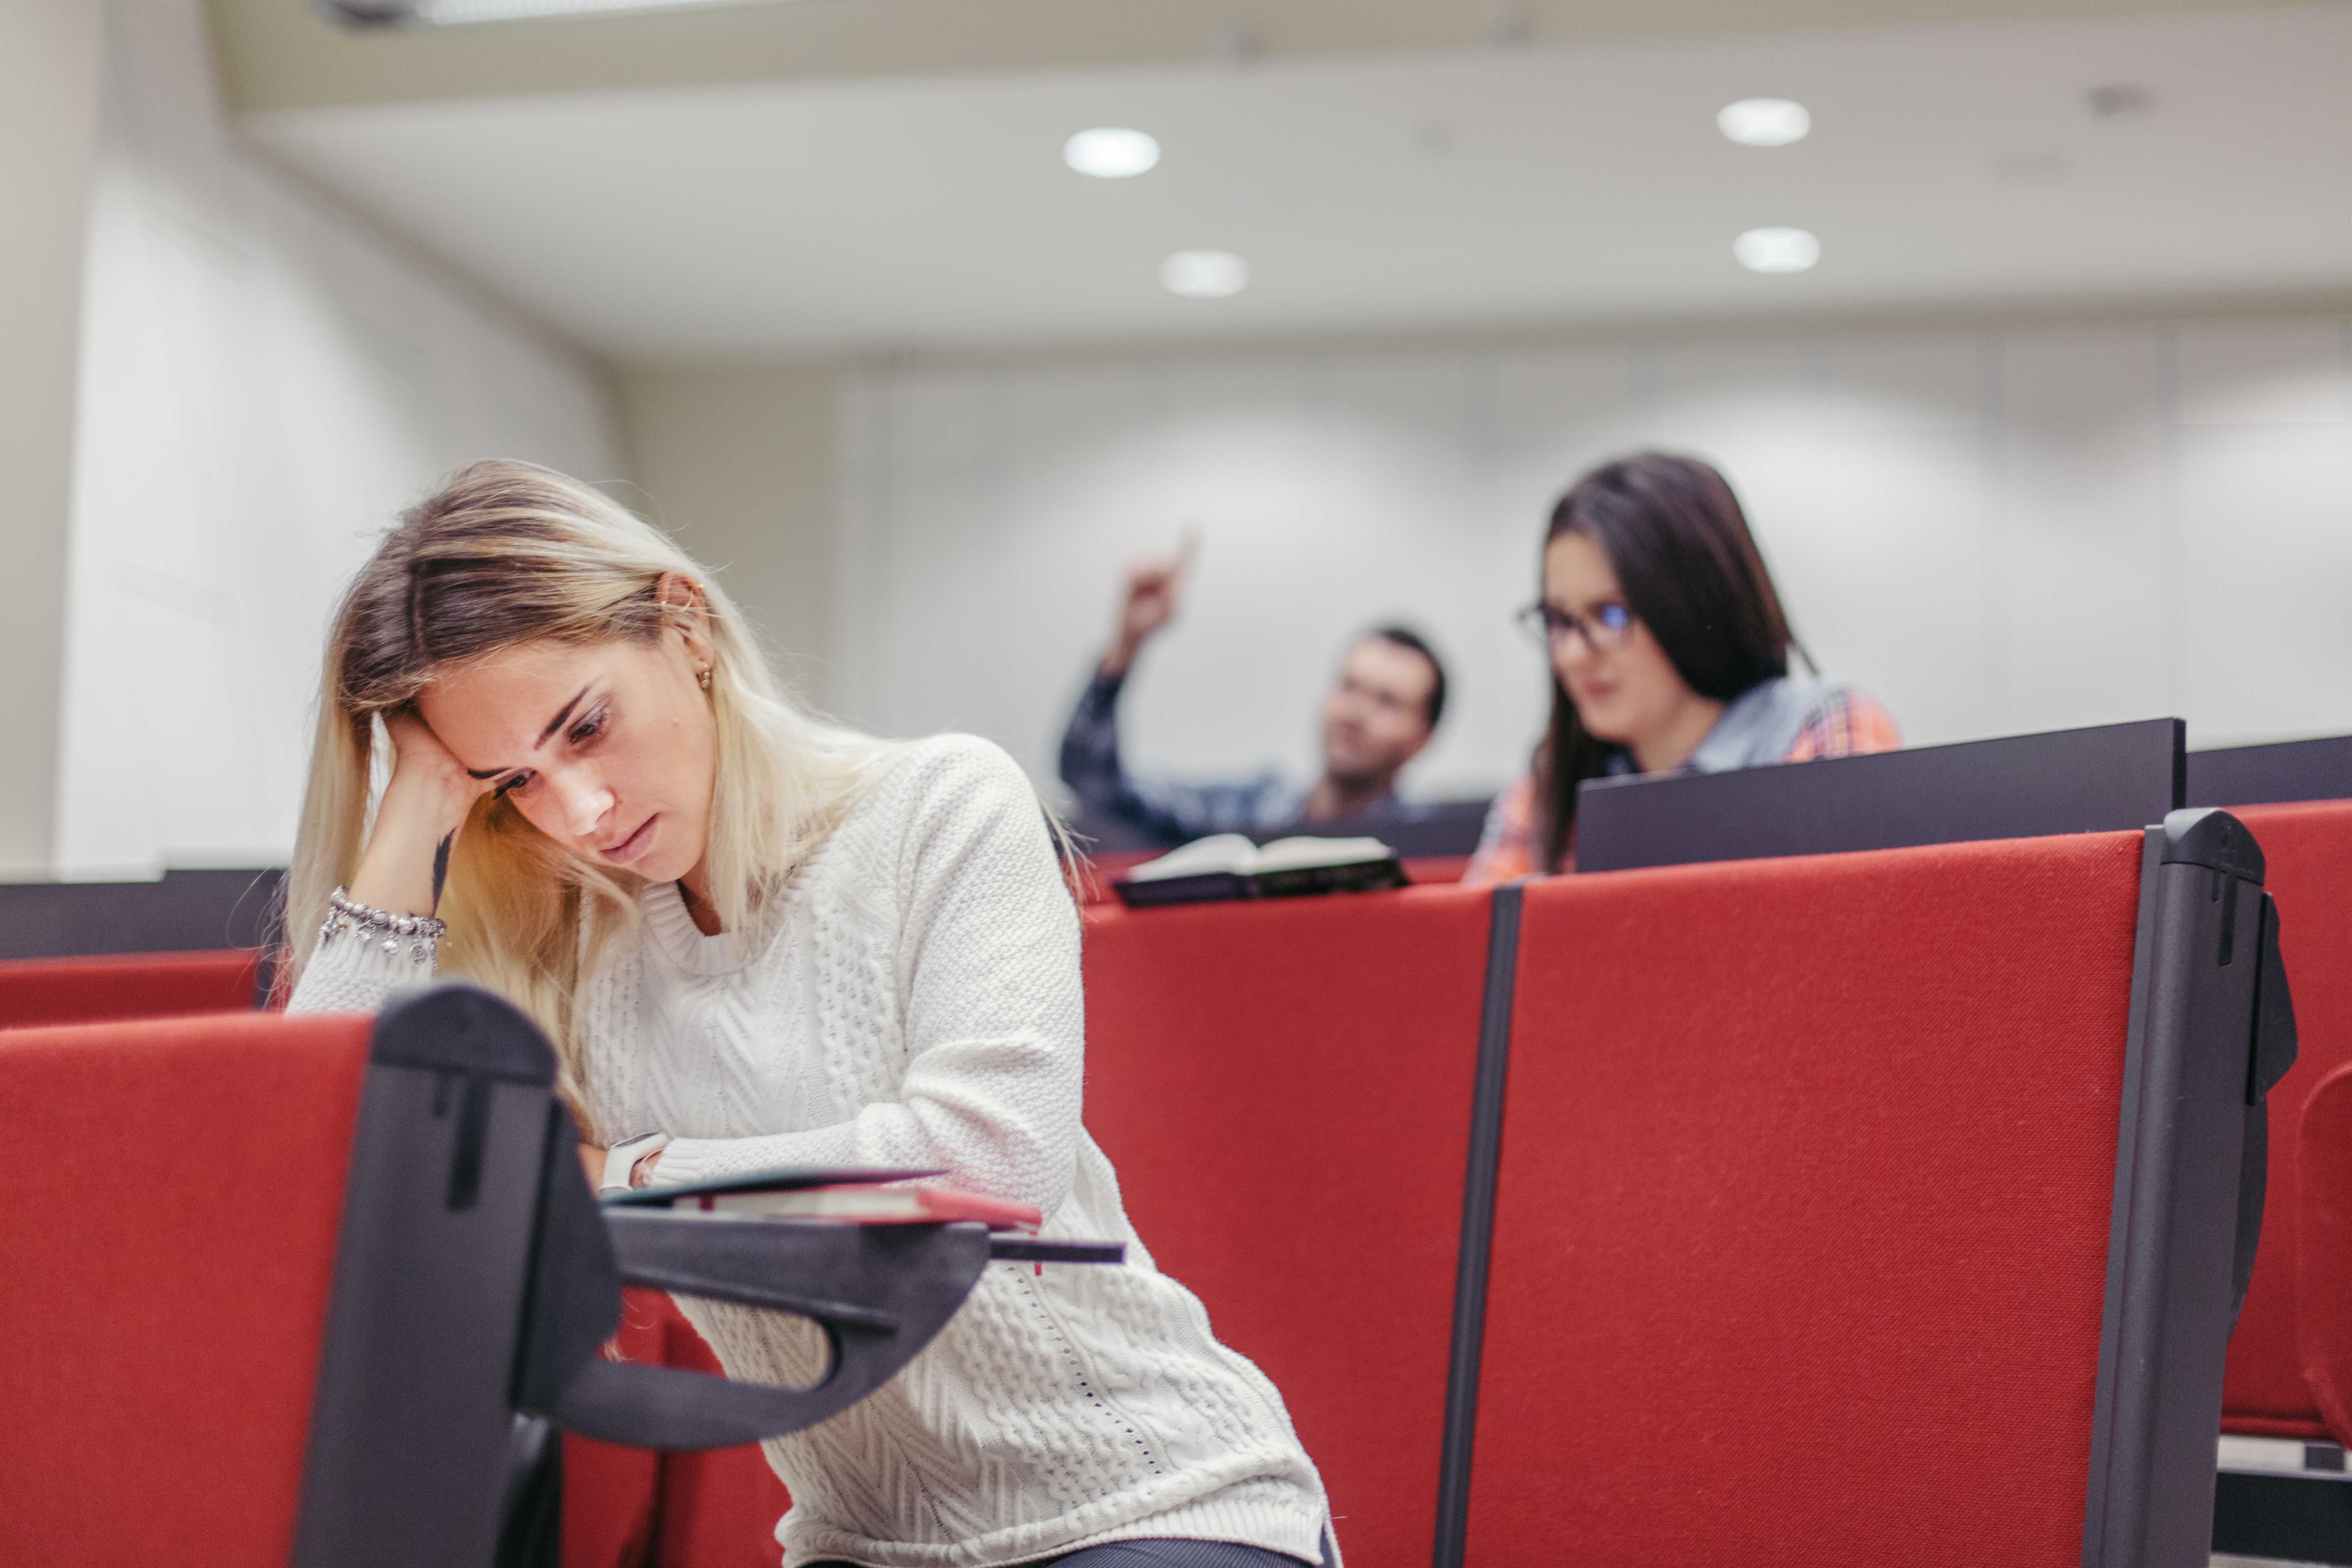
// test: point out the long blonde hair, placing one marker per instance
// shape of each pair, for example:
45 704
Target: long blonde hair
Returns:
507 553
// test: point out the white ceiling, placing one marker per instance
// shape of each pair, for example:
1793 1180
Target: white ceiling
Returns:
1953 165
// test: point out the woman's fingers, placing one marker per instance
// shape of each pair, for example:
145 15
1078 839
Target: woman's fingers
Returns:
414 744
406 863
418 752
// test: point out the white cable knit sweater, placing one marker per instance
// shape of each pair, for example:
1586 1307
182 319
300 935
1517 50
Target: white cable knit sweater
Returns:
919 1006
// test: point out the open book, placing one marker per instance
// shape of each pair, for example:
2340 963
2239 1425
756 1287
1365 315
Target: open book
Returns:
1228 866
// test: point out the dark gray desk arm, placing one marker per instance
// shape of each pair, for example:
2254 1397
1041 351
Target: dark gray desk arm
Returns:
880 1293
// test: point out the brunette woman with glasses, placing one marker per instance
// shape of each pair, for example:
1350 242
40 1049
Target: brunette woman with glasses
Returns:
1669 653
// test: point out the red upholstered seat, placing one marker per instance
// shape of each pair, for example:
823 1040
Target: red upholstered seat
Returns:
2323 1224
610 1490
168 1286
1801 1234
634 1508
2309 850
172 1291
42 991
609 1496
1285 1088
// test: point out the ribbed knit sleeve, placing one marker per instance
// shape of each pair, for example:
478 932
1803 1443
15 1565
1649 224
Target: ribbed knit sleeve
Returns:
349 973
991 1015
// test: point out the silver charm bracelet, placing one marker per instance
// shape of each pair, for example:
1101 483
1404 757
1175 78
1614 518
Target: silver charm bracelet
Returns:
347 916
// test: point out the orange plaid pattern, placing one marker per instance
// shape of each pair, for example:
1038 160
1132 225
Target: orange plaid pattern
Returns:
1846 723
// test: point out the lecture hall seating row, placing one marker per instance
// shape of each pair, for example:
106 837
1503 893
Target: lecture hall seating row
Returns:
88 990
352 1352
1804 1189
2290 1369
1361 1021
203 1364
1763 1204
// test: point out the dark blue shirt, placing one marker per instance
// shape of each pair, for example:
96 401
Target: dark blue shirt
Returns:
1162 812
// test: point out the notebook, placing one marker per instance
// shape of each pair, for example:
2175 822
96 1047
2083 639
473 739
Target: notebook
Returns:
861 1196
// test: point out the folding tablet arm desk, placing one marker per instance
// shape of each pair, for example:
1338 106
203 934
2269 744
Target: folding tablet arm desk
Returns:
2196 1102
478 1278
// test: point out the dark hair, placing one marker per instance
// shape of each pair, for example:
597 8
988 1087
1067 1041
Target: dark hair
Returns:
1406 638
1679 544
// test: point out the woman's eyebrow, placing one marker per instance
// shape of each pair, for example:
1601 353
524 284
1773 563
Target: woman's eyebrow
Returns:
557 722
552 726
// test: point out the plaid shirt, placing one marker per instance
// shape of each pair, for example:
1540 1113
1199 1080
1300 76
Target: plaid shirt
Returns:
1845 721
1159 812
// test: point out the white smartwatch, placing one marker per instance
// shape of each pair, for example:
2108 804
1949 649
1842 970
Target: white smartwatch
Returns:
621 1158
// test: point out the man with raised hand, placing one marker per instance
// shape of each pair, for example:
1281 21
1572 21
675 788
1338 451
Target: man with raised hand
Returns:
1382 708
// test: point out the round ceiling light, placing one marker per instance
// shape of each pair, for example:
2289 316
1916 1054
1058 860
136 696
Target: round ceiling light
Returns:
1109 152
1777 249
1764 122
1204 274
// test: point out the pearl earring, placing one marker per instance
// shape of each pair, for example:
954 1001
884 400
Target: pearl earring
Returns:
705 675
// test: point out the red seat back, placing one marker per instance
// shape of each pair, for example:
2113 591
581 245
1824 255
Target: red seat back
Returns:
35 991
636 1507
171 1227
1284 1088
1802 1237
2309 850
609 1489
2323 1226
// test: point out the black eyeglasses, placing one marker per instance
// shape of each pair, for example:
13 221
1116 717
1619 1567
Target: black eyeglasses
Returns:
1603 631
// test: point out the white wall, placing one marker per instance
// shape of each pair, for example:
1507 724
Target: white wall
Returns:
738 463
49 52
264 384
1995 531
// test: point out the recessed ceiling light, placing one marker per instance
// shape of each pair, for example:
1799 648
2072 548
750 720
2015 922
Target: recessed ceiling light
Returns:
1777 249
2120 98
1204 274
460 13
1109 152
1764 122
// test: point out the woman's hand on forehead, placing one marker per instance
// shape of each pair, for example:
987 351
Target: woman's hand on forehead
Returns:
407 859
415 747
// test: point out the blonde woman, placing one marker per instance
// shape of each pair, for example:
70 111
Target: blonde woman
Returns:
760 940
